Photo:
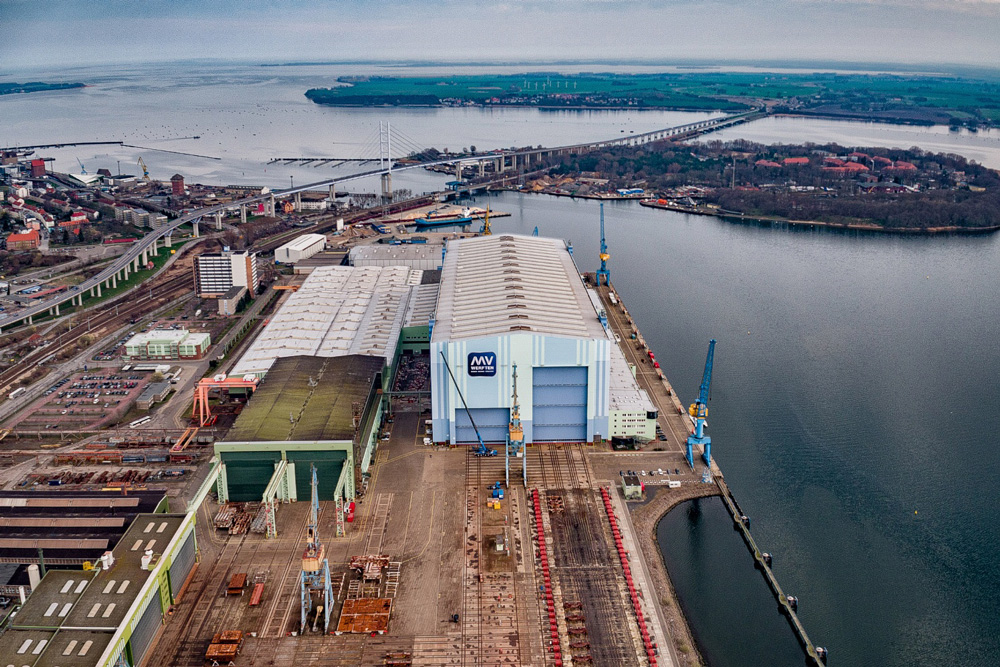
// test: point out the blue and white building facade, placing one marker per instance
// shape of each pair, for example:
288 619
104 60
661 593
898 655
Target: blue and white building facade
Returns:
506 300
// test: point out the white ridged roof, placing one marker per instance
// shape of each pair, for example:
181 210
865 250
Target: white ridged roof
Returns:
339 310
496 285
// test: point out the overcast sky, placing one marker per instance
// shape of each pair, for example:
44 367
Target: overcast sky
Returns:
64 32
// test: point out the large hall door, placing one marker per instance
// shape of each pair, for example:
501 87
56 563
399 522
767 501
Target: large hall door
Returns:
491 422
559 404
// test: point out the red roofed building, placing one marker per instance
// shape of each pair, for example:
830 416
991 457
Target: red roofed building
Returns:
855 167
177 185
900 165
884 161
858 156
795 161
37 168
26 241
78 217
766 163
833 162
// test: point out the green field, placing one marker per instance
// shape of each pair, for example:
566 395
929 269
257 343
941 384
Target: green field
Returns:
888 97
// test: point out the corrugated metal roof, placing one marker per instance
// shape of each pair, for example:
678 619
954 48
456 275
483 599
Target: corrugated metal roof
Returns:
62 522
70 543
307 399
495 285
339 310
303 242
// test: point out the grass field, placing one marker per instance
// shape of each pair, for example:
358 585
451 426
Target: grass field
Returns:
914 97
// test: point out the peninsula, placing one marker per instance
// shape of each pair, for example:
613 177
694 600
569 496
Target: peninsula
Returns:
922 99
878 189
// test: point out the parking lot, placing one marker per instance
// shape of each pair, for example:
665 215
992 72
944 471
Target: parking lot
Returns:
82 401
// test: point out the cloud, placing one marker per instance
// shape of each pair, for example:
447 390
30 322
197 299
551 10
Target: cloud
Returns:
57 32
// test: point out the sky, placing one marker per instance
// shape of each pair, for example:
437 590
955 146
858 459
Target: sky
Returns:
58 33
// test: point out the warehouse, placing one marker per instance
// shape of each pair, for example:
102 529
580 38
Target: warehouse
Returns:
72 526
507 300
309 411
110 615
339 310
423 256
302 247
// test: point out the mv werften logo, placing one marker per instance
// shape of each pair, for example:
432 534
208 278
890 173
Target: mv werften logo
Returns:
483 364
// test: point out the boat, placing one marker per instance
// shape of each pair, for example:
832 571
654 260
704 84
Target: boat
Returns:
433 219
424 223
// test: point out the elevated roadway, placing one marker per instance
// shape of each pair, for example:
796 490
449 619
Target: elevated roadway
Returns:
138 254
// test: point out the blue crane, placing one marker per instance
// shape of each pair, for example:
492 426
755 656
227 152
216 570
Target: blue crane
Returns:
482 449
603 271
315 576
699 413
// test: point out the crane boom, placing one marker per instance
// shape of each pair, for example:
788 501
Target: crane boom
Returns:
482 450
699 413
706 379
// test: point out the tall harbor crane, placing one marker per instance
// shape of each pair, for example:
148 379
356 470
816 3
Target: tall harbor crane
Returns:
145 171
603 271
699 413
315 577
515 438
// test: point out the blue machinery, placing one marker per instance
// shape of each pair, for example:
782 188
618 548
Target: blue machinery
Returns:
481 450
603 271
699 413
315 575
515 439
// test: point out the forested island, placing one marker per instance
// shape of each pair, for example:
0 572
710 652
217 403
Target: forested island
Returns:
895 98
35 87
873 188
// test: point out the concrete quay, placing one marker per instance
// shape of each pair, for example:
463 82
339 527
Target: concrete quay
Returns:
647 516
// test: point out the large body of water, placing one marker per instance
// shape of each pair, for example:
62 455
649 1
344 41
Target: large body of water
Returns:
855 399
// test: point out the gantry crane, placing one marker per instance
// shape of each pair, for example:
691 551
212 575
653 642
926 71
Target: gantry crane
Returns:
603 271
145 171
315 577
515 438
699 413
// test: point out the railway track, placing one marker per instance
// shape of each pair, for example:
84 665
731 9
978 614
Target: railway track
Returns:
472 620
109 318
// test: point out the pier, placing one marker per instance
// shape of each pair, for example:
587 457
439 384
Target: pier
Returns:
675 423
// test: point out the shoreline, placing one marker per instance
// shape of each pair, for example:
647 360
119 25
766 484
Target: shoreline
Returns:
646 518
732 216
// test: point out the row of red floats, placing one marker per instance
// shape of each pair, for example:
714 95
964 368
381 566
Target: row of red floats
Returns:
623 556
549 601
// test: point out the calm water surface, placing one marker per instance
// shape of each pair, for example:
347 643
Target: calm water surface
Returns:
855 406
855 401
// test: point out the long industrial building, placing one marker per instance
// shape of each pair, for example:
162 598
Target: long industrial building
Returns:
328 357
517 300
109 615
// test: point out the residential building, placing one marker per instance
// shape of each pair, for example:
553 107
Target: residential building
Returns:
216 273
28 240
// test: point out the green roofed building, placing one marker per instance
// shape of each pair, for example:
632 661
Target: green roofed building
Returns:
308 411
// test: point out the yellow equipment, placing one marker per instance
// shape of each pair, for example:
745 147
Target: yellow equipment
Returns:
145 171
